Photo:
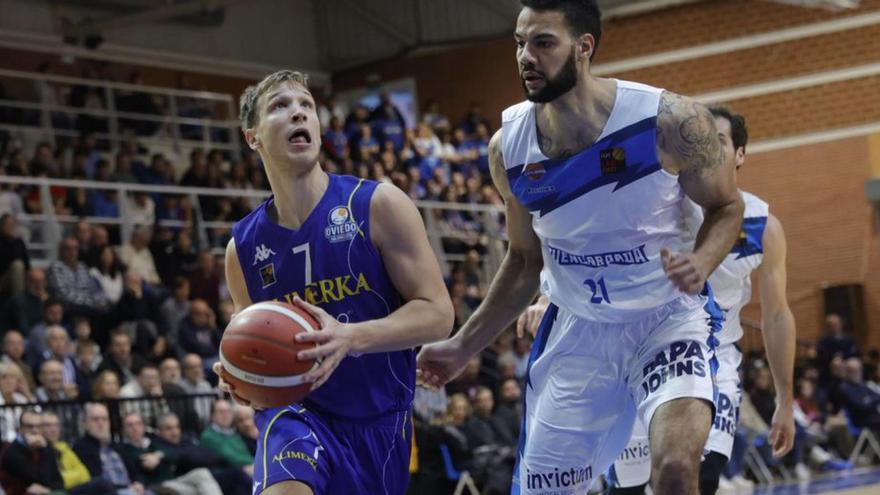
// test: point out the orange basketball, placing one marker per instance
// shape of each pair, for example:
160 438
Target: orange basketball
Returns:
258 353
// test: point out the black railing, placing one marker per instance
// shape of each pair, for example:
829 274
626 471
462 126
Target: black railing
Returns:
193 411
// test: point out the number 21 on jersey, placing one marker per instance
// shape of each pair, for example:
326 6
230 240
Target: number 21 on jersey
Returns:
600 292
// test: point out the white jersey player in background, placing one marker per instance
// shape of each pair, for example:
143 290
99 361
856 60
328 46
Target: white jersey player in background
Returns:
594 173
761 248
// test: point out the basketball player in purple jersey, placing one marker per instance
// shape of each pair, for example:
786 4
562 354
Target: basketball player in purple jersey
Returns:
353 253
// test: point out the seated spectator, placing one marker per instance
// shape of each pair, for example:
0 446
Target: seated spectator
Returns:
11 383
205 281
53 388
137 256
199 333
146 385
835 343
135 312
141 208
510 407
15 260
861 404
77 480
69 282
246 427
186 455
24 310
13 353
155 469
174 310
105 386
194 383
169 372
88 359
99 239
181 404
108 273
53 314
29 462
222 437
101 456
58 349
119 358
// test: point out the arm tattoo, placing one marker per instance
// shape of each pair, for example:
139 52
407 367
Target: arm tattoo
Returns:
686 130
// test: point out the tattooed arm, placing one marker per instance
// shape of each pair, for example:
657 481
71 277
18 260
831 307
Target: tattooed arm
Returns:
689 145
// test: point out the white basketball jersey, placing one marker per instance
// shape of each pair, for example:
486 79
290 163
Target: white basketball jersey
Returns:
602 215
731 282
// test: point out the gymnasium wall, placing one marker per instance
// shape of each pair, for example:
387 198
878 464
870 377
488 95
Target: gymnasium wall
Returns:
816 190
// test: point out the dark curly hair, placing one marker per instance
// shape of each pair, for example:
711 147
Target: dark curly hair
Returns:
583 16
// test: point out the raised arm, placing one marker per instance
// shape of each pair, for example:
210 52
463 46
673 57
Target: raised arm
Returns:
513 288
778 326
689 145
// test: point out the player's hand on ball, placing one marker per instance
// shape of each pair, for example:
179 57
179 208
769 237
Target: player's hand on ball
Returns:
683 271
782 430
531 318
334 341
440 362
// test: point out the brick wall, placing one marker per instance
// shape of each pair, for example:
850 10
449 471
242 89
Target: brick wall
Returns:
817 192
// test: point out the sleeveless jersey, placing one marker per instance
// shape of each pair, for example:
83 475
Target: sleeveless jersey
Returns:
731 282
331 262
602 215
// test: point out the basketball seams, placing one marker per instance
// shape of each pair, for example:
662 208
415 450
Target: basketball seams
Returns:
257 378
268 306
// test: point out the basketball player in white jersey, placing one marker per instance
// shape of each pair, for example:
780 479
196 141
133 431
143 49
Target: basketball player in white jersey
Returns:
594 173
760 248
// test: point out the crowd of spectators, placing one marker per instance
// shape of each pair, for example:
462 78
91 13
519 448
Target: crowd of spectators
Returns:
127 329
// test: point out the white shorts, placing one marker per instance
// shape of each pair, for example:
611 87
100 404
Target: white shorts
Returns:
633 466
588 381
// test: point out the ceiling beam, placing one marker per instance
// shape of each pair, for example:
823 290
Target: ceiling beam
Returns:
505 10
147 16
382 24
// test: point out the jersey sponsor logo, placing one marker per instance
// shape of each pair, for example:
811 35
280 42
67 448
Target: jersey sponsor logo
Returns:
684 357
340 225
612 161
267 274
262 254
726 415
297 456
535 171
331 290
635 256
539 480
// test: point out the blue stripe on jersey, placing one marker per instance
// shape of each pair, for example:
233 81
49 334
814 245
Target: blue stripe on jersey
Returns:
716 322
331 262
538 347
751 237
622 157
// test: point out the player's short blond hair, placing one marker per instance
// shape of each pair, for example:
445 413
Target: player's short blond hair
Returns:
249 111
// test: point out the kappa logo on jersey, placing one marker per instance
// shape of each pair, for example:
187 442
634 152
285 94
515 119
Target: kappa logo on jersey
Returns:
267 274
262 254
535 171
612 161
340 225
